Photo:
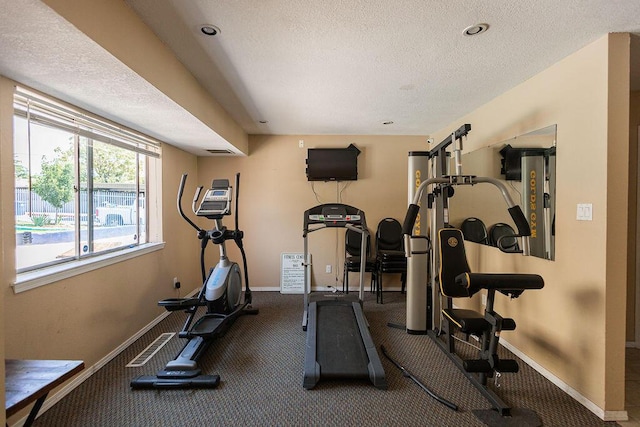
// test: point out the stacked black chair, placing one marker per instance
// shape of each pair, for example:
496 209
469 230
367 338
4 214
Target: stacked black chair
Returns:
390 256
352 243
474 230
502 236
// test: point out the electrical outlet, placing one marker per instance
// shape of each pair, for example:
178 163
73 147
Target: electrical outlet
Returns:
176 283
328 268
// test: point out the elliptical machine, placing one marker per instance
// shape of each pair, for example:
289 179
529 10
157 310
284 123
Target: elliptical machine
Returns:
221 293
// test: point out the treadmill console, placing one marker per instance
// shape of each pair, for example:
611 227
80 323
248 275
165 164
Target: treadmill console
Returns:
334 215
217 200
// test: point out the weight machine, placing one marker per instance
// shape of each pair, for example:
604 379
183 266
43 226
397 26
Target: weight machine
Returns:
437 271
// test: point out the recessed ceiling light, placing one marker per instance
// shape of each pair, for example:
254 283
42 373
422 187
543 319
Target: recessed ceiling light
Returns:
474 30
387 123
209 30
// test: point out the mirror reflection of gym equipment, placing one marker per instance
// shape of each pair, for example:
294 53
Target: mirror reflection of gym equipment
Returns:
532 153
438 271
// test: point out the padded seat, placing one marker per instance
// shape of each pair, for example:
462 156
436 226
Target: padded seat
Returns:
512 285
457 281
502 236
468 321
474 230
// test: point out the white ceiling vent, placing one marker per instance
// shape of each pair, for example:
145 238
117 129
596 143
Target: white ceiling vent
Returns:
146 354
220 151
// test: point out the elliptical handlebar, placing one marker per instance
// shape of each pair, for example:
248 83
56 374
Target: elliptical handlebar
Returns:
196 196
183 181
237 199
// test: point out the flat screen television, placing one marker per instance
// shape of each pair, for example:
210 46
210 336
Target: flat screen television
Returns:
332 164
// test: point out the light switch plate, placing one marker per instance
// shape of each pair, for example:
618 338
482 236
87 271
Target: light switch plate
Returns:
584 212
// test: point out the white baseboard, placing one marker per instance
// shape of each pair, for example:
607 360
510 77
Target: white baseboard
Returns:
267 289
601 413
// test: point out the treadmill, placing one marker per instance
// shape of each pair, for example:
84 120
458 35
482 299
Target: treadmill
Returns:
338 344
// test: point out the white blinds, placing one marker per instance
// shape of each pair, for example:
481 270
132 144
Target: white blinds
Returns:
48 112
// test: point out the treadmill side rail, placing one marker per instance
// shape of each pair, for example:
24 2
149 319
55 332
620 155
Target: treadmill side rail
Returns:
376 371
311 365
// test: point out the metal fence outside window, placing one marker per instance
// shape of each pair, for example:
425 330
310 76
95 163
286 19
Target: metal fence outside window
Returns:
38 206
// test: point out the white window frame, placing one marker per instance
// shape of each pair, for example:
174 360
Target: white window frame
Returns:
49 112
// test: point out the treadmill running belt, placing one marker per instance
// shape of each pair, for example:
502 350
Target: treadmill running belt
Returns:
341 352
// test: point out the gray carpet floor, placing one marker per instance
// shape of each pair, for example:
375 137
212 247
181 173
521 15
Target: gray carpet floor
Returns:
260 361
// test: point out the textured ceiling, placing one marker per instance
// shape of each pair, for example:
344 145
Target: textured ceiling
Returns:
327 67
347 66
66 64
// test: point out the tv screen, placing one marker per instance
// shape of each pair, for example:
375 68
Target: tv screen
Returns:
332 164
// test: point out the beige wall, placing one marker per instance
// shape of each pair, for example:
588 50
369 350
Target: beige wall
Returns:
88 316
634 122
274 193
618 150
574 326
6 214
62 319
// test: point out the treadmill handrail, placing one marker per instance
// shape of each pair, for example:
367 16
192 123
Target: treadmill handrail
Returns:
361 228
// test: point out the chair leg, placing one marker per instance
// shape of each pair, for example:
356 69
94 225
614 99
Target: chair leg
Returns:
379 289
374 280
345 280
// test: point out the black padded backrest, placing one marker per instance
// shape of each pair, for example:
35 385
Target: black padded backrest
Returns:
474 230
508 243
353 241
453 261
389 235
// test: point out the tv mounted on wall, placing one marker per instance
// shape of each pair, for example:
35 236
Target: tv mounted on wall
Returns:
332 164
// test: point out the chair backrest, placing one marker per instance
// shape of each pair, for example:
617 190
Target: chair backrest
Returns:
508 243
453 261
474 230
353 241
389 235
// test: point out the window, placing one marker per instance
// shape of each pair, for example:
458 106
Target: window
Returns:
81 183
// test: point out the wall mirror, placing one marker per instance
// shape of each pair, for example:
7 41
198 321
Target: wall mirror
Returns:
527 164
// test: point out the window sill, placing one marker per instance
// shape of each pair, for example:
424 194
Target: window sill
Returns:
35 279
